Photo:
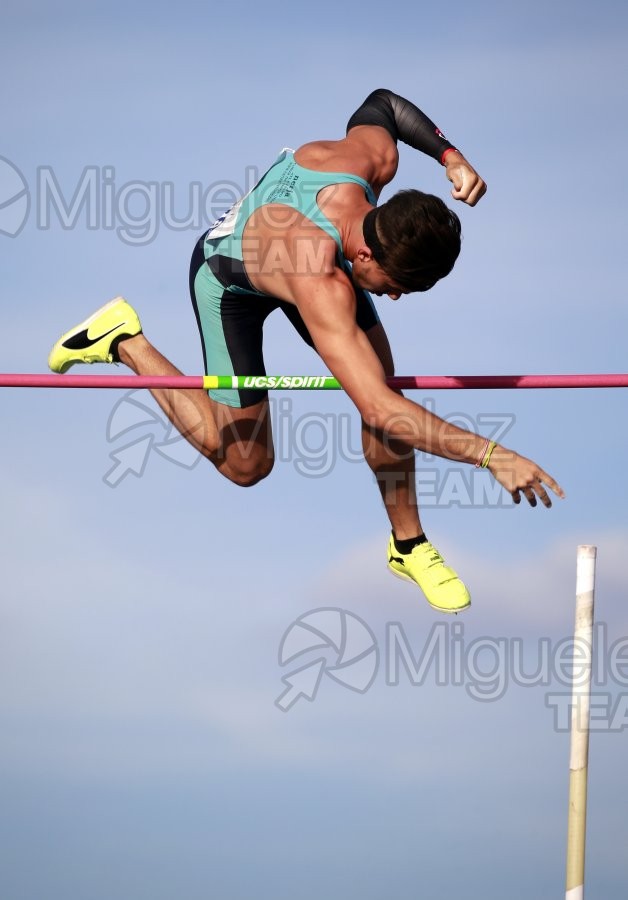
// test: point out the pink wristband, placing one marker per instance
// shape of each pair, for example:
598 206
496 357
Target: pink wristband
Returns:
448 150
482 454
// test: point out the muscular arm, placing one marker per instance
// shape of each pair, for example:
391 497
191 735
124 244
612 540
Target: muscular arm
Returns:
405 122
327 306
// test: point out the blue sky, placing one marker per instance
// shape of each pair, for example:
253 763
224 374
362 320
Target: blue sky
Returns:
143 755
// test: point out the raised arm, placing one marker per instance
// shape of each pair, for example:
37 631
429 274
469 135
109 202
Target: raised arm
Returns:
406 122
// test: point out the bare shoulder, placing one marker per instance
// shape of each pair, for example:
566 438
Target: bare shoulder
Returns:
367 151
325 301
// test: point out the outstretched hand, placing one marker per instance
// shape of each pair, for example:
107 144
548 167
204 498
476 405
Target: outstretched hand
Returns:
468 186
520 475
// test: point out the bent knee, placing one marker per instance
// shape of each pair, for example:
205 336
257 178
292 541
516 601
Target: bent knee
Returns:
246 473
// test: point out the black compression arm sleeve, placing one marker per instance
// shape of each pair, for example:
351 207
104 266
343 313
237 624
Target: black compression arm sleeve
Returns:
403 121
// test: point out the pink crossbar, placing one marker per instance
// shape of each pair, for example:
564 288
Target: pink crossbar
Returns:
431 382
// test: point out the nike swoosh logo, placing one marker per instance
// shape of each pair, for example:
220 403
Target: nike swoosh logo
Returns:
397 559
81 341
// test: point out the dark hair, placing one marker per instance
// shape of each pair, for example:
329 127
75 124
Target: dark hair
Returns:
415 238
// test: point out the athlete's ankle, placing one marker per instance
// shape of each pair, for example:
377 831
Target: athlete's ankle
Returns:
128 349
412 531
406 545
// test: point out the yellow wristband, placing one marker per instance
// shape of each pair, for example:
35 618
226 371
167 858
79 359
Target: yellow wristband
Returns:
487 455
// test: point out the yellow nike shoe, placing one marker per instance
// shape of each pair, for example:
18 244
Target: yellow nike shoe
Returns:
96 339
426 567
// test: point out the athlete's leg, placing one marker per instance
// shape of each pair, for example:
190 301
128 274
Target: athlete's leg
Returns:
232 428
237 441
392 461
393 465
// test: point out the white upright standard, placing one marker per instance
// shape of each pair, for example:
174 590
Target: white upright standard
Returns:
581 692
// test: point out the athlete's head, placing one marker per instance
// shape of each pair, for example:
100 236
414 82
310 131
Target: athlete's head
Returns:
414 238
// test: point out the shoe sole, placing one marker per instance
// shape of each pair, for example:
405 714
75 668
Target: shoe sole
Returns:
433 605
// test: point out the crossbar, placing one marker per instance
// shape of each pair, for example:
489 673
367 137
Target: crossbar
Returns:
311 382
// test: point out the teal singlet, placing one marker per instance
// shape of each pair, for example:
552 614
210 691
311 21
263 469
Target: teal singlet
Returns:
290 184
230 312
